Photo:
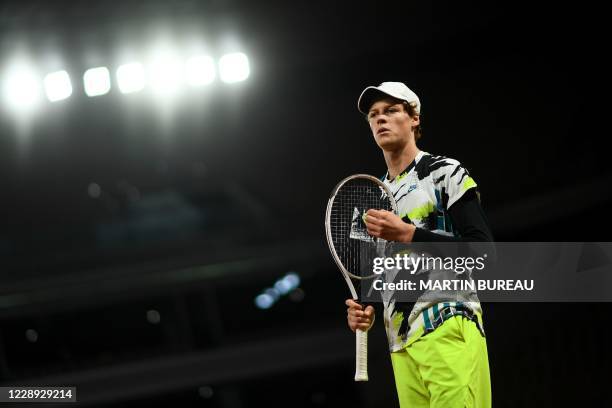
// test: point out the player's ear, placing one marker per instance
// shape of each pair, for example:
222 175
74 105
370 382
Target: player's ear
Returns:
417 120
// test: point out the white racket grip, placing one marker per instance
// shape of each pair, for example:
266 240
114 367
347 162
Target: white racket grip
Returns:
361 367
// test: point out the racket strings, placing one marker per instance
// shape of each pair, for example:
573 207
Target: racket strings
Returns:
354 246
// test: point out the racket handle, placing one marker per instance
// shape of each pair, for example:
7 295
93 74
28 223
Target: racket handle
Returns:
361 367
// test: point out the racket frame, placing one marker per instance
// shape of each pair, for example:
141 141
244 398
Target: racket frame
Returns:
361 336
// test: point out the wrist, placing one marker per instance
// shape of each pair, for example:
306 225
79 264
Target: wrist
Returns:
408 233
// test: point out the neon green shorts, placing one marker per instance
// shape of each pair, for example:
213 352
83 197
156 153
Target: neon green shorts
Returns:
448 368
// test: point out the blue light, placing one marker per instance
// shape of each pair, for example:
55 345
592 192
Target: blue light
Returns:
264 301
273 293
292 280
283 286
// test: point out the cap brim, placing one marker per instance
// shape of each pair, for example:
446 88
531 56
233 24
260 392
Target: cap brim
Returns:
367 97
371 94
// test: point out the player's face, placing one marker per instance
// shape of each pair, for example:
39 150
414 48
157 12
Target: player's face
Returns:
391 124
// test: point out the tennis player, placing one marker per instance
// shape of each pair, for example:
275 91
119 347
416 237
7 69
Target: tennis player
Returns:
438 348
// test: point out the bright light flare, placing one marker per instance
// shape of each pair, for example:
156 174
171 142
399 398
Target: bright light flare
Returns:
234 67
131 78
21 89
200 71
58 86
166 74
97 81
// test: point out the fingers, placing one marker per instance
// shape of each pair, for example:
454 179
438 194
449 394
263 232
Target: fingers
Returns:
387 225
361 316
352 304
358 315
375 216
374 231
376 220
359 323
378 214
375 213
356 310
358 318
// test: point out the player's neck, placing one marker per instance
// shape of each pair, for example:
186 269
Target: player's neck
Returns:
397 161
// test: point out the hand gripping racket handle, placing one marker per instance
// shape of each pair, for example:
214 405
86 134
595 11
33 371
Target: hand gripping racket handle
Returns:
361 368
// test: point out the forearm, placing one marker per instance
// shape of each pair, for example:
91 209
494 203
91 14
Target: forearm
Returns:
471 226
468 220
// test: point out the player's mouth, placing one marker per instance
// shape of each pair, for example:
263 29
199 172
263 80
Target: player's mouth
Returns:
382 130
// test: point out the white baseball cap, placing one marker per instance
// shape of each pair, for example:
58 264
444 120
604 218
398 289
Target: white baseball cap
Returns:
395 89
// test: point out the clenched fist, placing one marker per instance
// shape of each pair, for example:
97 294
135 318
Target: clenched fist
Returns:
388 226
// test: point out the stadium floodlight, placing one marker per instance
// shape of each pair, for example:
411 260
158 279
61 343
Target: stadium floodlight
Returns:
21 89
234 67
165 74
200 71
97 81
58 86
131 78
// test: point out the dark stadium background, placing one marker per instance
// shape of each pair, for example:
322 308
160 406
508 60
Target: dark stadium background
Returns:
145 295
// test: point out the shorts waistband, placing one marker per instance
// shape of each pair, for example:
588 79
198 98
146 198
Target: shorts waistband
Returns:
448 311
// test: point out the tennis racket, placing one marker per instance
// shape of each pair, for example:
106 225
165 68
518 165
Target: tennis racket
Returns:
351 246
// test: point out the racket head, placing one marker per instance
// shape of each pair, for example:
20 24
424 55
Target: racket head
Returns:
345 229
